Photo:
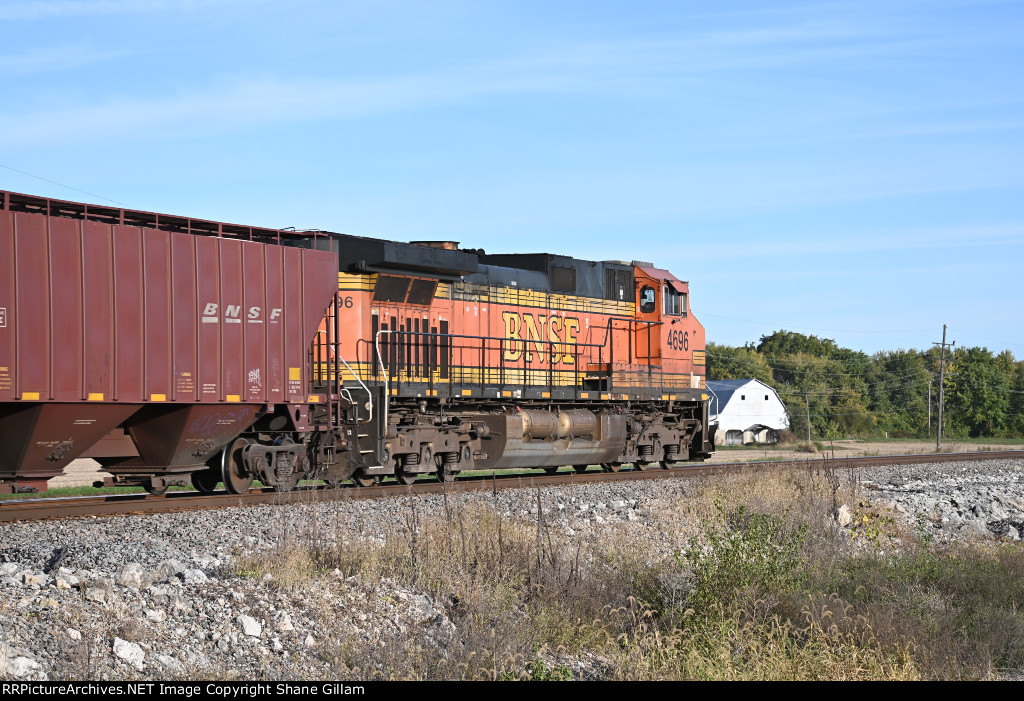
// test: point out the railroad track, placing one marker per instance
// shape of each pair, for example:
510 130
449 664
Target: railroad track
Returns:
108 505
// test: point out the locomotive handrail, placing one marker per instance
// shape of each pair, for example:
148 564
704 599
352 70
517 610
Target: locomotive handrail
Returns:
387 366
342 390
501 341
629 320
384 372
369 394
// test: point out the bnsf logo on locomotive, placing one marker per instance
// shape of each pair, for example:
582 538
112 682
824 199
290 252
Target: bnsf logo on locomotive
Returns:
233 314
543 334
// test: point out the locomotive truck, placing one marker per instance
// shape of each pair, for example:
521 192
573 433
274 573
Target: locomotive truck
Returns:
175 350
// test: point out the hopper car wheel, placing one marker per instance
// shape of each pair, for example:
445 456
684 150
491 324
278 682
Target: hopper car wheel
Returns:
233 472
155 491
580 468
667 464
641 466
404 477
611 466
205 481
333 484
365 480
445 473
551 470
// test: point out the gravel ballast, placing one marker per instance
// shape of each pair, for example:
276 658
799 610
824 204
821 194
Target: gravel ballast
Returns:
159 597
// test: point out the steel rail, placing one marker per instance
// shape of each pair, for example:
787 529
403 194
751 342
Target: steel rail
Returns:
35 509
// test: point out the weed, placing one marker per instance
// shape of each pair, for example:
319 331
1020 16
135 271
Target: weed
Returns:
752 551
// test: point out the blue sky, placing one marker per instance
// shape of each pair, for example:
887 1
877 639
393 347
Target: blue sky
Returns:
853 170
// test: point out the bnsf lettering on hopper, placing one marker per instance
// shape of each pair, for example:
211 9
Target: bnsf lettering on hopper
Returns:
173 350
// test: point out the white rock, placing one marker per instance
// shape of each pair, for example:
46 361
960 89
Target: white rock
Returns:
35 579
18 666
310 641
170 663
131 575
96 594
156 615
166 570
250 626
24 667
194 577
74 634
284 624
129 652
9 568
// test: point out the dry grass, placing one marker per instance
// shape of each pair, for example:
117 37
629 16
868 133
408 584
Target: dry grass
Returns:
745 577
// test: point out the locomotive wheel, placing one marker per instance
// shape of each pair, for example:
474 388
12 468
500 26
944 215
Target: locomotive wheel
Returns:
611 466
233 472
205 481
551 470
580 468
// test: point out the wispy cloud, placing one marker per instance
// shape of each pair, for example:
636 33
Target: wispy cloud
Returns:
254 102
60 9
875 241
59 58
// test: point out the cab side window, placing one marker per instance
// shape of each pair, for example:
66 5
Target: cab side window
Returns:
647 301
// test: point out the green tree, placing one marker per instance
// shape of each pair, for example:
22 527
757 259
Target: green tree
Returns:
977 395
731 363
898 392
788 342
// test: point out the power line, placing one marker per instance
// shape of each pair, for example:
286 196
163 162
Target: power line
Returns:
54 182
812 328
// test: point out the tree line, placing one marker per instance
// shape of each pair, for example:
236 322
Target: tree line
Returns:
850 393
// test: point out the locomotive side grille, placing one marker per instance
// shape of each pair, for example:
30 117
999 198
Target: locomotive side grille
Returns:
445 348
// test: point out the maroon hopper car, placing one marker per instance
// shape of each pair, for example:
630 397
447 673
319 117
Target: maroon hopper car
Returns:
147 342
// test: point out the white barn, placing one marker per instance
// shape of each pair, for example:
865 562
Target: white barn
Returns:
749 411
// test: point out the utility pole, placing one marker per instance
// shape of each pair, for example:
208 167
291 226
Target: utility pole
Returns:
808 402
929 408
942 377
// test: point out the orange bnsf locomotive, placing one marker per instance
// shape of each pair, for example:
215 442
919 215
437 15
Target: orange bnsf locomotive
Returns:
175 350
457 359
